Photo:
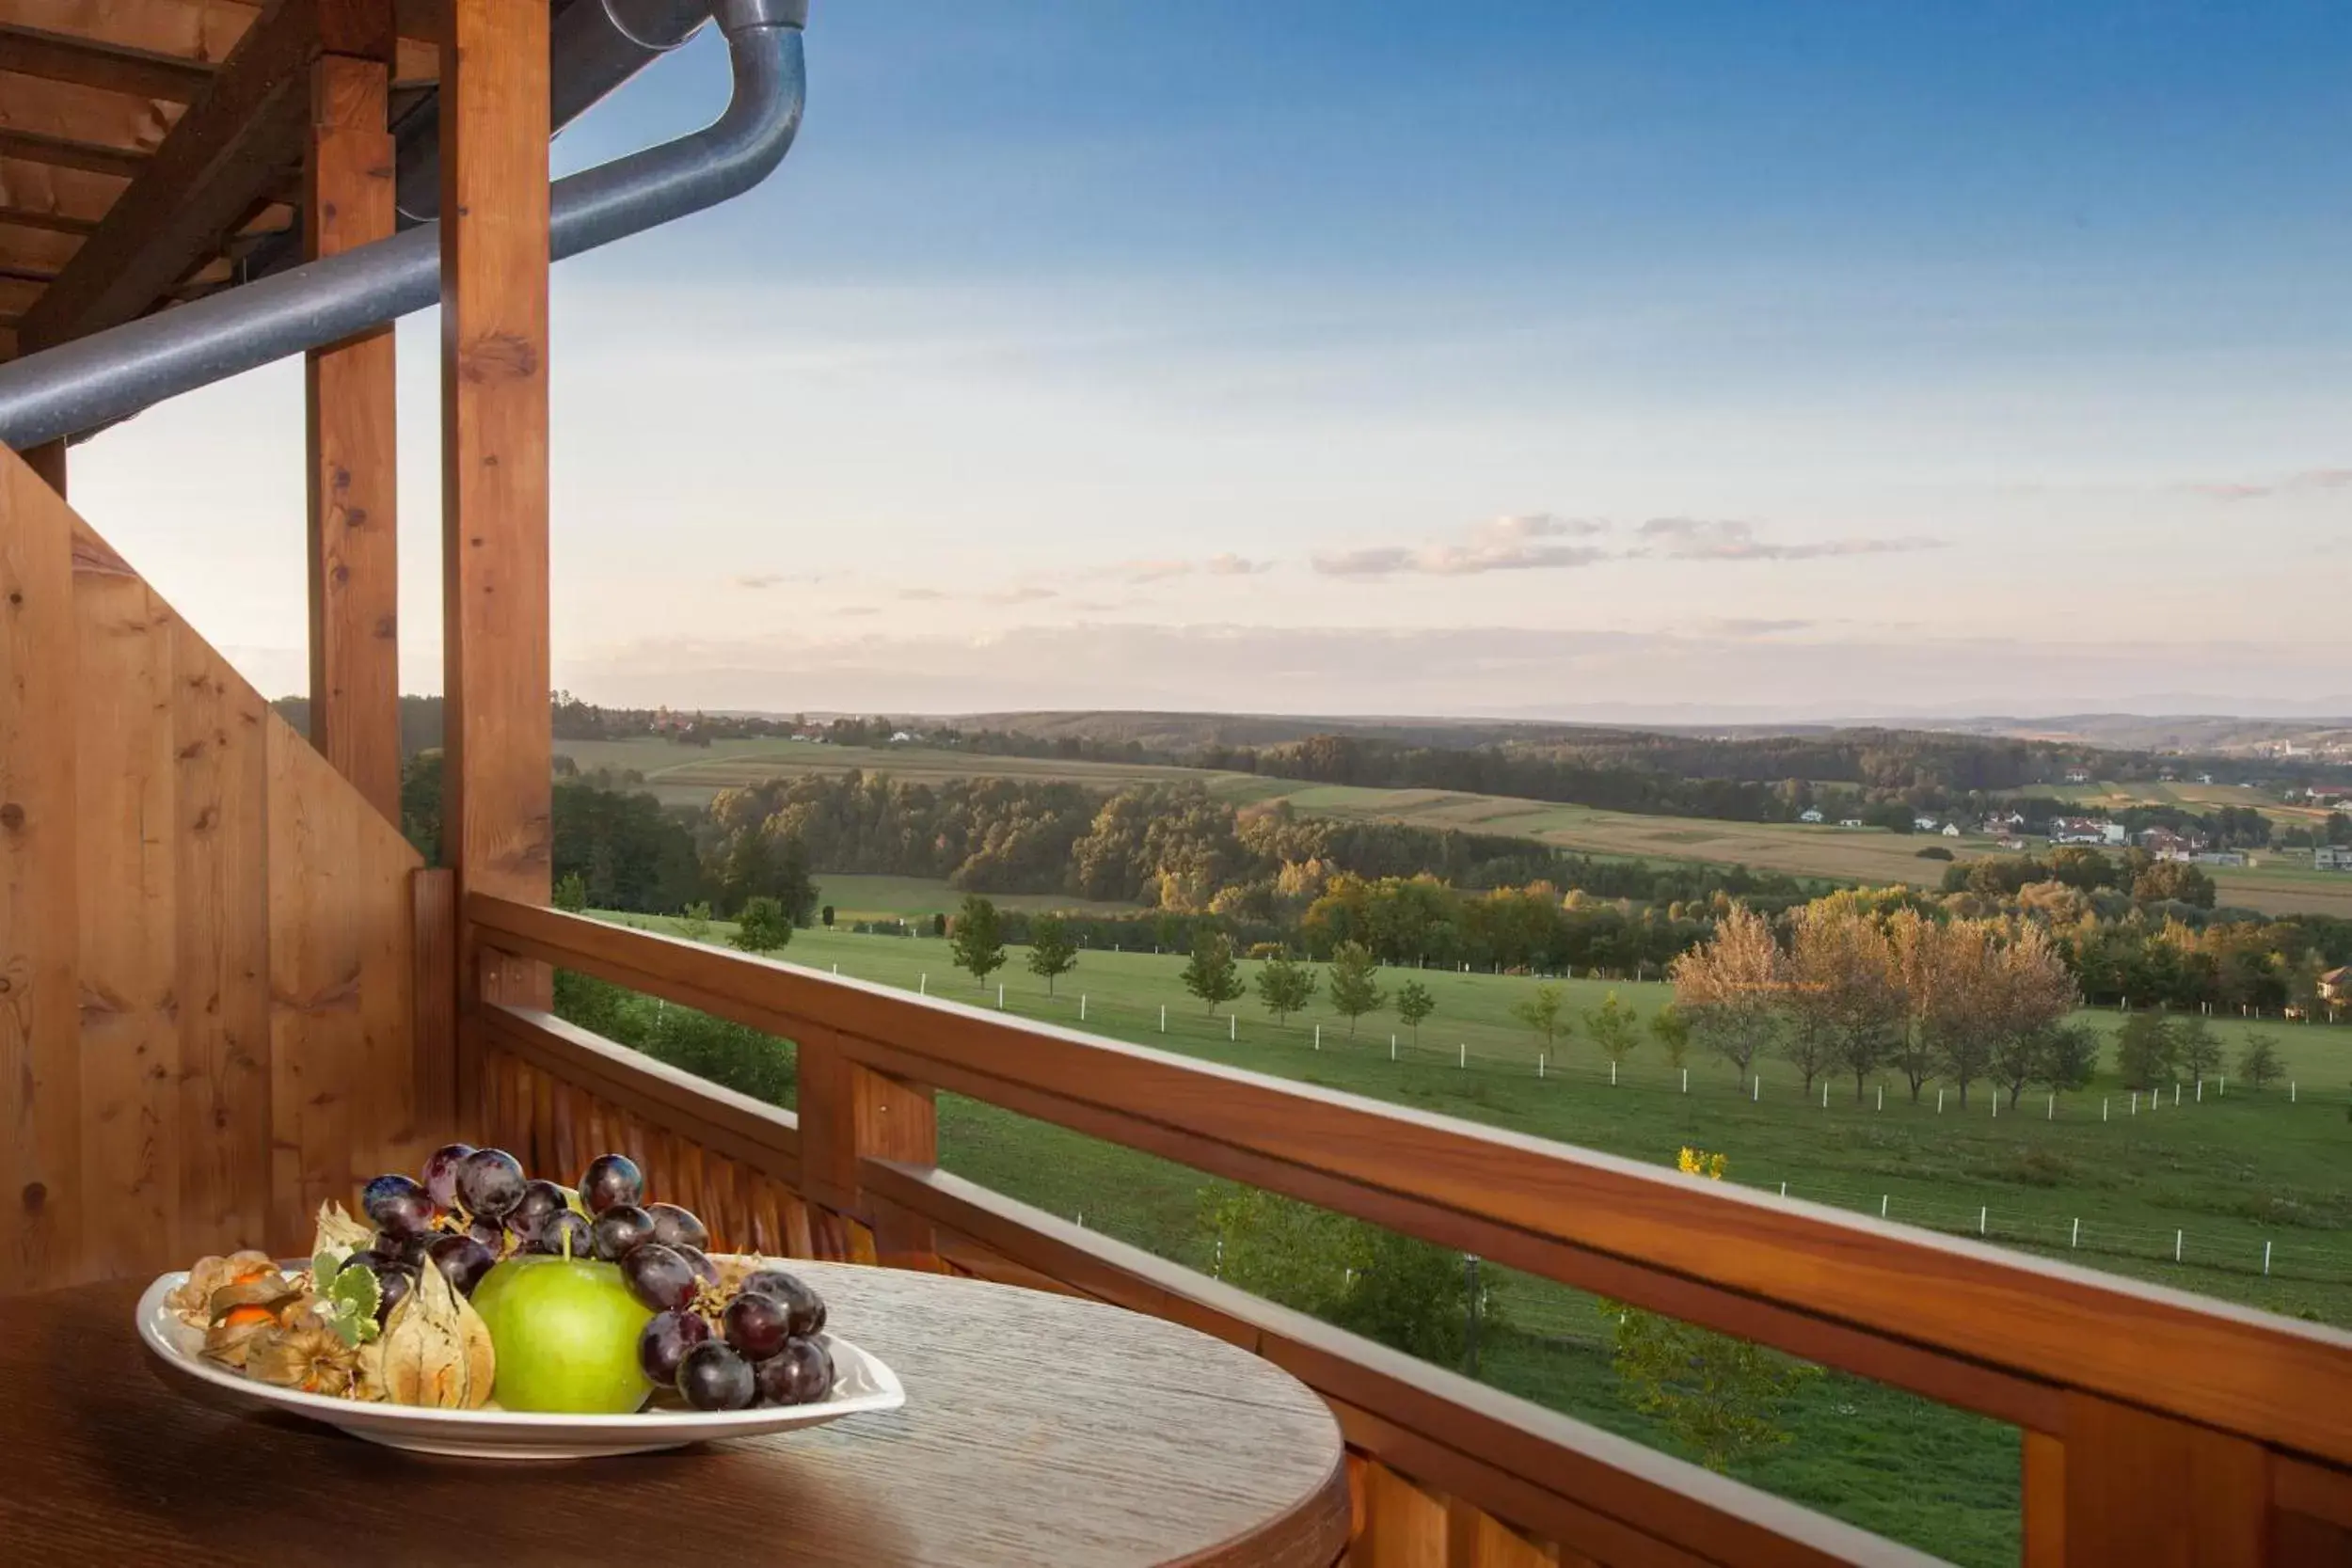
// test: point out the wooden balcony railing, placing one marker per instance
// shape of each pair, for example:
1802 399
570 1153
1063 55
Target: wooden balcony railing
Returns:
2159 1427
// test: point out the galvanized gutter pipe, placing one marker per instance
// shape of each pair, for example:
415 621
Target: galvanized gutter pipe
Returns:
112 374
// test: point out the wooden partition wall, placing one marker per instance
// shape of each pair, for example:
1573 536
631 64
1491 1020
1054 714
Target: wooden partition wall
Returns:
208 1016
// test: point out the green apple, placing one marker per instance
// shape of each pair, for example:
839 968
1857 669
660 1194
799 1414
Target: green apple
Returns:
566 1331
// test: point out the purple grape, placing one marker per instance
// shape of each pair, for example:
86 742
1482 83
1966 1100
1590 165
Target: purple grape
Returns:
490 1233
541 1201
405 1214
712 1376
677 1227
490 1182
699 1260
620 1230
565 1234
664 1341
800 1373
394 1282
658 1277
408 1251
441 1173
610 1180
804 1307
372 1260
382 1193
758 1325
464 1260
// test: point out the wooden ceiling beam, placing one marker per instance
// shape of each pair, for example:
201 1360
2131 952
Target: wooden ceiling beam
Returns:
233 147
97 63
33 193
62 152
27 218
206 32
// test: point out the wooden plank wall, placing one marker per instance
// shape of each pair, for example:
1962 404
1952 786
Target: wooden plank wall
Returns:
206 969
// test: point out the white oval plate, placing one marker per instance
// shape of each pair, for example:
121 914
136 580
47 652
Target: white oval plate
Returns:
859 1384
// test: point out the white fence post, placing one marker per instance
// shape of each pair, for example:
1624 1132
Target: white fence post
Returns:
1318 1037
1881 1097
2053 1115
1082 1006
1824 1094
2201 1093
1163 1018
2290 1091
1539 1064
2176 1245
1759 1093
2103 1107
1686 1080
1461 1055
1983 1211
1392 1048
2077 1240
1882 1205
922 985
1784 1189
2266 1260
1233 1027
1939 1102
1000 998
1996 1097
1612 1072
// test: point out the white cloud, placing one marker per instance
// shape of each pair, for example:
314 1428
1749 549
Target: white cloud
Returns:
1525 542
1232 565
2305 482
1725 539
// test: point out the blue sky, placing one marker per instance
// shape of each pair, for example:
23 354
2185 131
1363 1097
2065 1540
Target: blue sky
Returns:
1496 357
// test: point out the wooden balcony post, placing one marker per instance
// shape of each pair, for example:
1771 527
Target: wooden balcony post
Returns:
2154 1491
348 392
496 828
848 1112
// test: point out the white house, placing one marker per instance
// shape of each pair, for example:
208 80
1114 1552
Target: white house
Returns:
2078 775
1850 822
1951 829
2221 856
1924 824
2332 857
1811 814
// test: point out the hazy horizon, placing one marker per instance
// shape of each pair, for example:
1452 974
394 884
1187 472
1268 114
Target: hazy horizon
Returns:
1809 360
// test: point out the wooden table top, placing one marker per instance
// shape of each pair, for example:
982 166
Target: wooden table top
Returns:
1038 1431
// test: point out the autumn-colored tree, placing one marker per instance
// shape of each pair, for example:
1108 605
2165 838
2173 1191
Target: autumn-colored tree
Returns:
1845 994
1729 987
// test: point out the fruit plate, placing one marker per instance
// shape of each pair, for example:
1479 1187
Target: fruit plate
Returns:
861 1385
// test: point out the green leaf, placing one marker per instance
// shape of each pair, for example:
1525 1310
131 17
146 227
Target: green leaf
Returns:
324 1268
356 1293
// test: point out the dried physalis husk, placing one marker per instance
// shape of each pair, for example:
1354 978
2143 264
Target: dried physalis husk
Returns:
304 1353
434 1350
192 1303
338 1233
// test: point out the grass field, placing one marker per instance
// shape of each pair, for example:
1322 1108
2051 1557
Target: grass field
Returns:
692 775
2228 1173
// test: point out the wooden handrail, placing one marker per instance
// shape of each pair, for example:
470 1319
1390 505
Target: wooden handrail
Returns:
2002 1333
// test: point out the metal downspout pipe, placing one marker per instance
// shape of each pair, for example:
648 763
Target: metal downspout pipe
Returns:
112 374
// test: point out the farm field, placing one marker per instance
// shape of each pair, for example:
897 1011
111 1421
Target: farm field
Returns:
2227 1173
678 774
692 775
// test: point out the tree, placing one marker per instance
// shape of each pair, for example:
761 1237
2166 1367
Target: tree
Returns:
1540 1011
1052 951
2199 1049
1846 994
1729 987
2146 1051
1413 1004
2177 881
2066 1058
1210 975
1720 1398
694 925
1354 984
1672 1030
2259 1064
761 925
1614 1029
570 893
1284 987
939 923
826 914
977 941
1406 1295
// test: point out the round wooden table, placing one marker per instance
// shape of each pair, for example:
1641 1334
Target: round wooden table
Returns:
1038 1431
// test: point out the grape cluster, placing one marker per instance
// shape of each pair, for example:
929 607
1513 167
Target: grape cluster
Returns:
759 1346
